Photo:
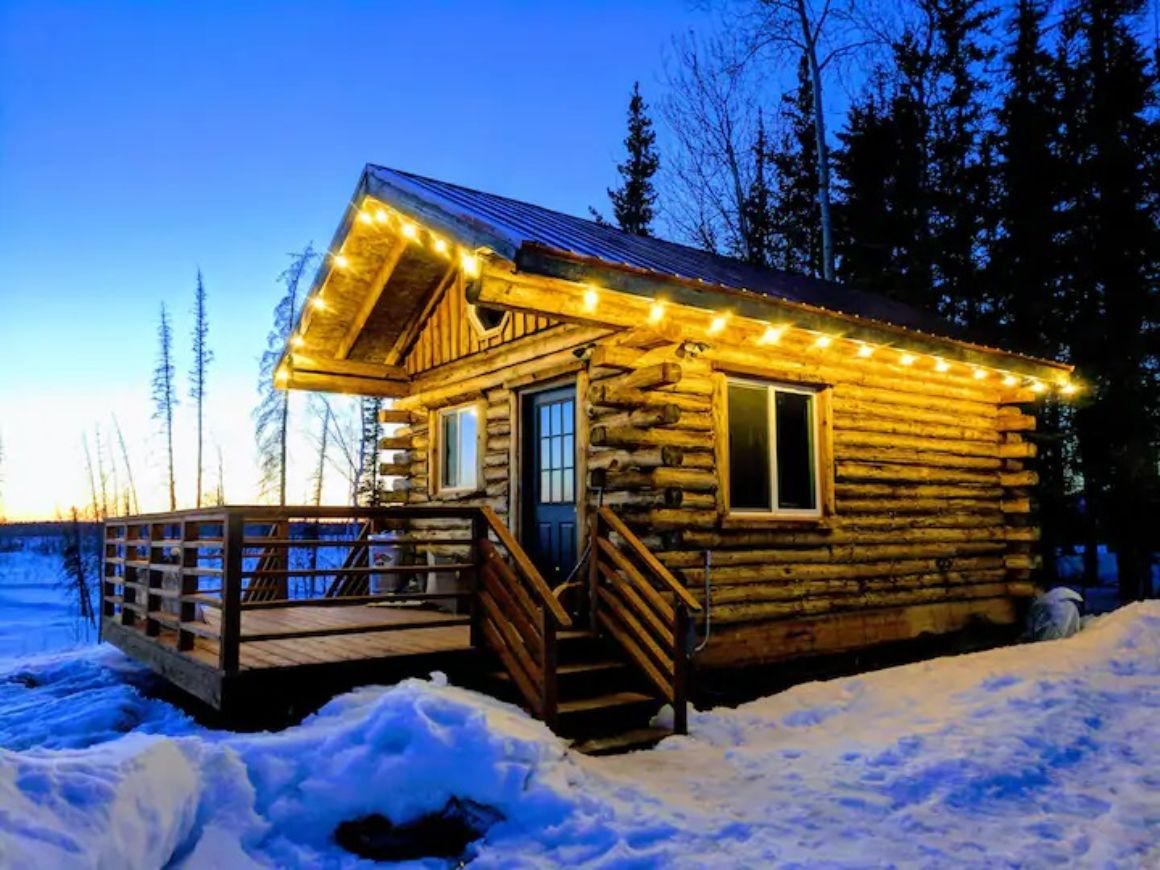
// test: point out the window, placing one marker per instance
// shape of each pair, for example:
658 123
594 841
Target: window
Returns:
459 448
773 453
486 321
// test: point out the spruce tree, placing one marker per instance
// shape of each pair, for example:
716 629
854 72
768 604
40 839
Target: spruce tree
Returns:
165 396
272 416
1112 239
1025 258
634 201
798 238
202 357
758 242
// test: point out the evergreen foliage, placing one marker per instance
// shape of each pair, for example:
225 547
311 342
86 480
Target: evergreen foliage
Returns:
797 245
634 201
369 487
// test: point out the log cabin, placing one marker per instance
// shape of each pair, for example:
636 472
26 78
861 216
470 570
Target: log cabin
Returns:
689 457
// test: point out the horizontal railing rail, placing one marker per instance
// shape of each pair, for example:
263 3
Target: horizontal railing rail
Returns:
636 601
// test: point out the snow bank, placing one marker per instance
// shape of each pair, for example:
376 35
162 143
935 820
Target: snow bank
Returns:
1029 755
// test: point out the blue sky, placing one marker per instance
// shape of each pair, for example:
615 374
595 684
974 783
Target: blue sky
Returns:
139 141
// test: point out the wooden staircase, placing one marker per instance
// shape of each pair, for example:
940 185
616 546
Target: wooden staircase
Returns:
600 687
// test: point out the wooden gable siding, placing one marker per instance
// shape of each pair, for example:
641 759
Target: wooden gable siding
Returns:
448 336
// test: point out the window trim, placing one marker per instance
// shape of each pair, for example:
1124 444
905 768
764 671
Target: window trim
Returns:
819 420
436 458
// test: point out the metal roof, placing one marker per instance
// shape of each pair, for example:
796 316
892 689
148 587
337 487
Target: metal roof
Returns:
507 226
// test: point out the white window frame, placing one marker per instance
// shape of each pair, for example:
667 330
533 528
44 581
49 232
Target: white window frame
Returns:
772 388
476 410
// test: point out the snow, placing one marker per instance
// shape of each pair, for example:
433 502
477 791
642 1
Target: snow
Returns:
1030 755
35 613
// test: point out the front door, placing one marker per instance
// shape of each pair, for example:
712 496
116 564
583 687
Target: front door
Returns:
548 460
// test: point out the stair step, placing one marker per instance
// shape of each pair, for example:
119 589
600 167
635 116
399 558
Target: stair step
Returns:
626 741
604 702
572 669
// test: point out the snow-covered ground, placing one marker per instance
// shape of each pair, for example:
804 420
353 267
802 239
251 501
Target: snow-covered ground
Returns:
36 614
1027 756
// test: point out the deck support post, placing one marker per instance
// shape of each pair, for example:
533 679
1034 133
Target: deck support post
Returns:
594 572
680 669
478 534
549 700
231 618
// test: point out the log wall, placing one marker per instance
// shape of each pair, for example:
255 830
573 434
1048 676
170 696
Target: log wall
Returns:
928 523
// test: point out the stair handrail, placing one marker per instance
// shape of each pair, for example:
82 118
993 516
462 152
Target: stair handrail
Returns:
660 572
531 574
626 604
516 614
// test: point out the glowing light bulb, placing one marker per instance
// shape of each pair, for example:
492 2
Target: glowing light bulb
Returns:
656 311
979 374
470 264
318 304
942 365
865 351
341 261
1010 381
591 299
297 340
1068 388
907 359
410 231
283 376
718 323
1038 386
381 215
823 341
772 334
440 246
364 218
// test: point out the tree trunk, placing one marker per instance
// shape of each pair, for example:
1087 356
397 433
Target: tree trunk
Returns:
823 152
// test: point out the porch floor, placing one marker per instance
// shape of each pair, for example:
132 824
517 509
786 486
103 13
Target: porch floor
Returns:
393 641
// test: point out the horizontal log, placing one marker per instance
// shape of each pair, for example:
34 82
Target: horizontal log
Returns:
1015 423
917 505
608 394
396 415
915 490
392 468
937 586
499 411
615 357
859 471
657 415
1020 478
726 575
395 442
847 406
903 456
919 429
1016 506
619 460
838 553
845 437
662 519
651 376
631 436
654 478
1018 450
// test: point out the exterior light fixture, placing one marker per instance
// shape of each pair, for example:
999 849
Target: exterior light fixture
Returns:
297 340
865 351
591 299
1010 381
341 261
318 304
656 311
381 215
979 374
718 323
823 341
907 359
772 334
410 231
470 264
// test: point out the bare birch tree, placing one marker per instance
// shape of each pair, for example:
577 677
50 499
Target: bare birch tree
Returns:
711 109
133 505
272 416
820 33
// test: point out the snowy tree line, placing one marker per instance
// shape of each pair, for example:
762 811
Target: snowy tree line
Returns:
998 162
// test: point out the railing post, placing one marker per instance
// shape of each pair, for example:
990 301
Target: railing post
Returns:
680 668
478 534
108 574
187 610
233 533
594 572
549 699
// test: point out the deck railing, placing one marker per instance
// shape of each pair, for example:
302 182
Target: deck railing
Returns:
636 601
181 576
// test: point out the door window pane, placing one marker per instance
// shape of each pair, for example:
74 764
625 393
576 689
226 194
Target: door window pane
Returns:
749 447
795 454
